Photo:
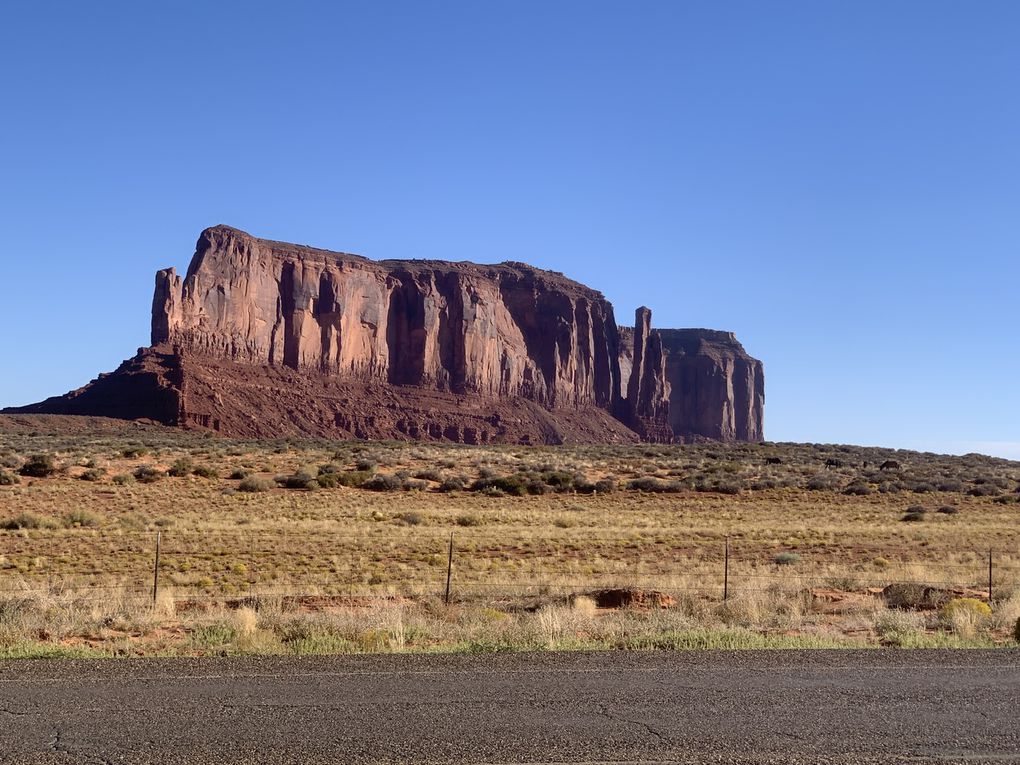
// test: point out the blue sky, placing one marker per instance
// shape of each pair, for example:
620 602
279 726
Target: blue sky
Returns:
837 182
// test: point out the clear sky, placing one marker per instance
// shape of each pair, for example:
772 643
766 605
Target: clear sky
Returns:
836 182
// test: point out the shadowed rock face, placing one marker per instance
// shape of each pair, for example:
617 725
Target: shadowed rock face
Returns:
263 338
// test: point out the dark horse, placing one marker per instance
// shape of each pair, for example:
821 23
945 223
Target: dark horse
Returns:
889 465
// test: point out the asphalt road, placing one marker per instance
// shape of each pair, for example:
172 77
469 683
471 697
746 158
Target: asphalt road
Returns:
754 707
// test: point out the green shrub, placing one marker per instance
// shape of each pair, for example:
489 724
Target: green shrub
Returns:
8 479
181 467
81 519
411 519
469 520
328 480
912 517
513 485
38 466
134 452
205 471
330 469
413 484
148 474
948 510
92 474
605 485
122 479
786 559
429 475
254 483
353 478
365 465
240 474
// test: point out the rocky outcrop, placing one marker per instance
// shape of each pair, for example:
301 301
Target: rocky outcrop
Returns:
264 338
503 331
716 390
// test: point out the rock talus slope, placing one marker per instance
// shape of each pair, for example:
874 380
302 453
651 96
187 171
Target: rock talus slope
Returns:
263 338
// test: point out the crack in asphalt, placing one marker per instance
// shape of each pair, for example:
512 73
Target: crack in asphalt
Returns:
604 712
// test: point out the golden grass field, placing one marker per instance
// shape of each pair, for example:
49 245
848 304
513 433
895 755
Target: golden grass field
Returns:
327 567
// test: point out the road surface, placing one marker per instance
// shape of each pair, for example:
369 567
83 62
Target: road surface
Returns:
730 707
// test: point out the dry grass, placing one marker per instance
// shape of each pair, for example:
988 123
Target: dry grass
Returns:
81 544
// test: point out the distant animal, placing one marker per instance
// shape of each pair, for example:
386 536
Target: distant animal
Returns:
864 465
773 461
889 465
831 463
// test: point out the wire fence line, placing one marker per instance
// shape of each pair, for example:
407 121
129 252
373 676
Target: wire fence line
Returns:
461 565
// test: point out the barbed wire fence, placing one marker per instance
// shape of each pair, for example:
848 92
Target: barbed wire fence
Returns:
469 566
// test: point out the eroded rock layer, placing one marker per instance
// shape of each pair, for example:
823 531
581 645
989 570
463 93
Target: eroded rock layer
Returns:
265 338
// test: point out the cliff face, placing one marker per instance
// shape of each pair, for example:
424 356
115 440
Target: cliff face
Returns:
716 390
265 338
502 331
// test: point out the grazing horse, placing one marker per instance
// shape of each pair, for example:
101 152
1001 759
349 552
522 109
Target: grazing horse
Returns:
773 461
831 463
889 465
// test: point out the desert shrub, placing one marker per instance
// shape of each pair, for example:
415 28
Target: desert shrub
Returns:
300 480
8 479
411 518
382 482
513 485
469 520
413 484
452 483
38 466
328 480
912 517
890 487
205 471
857 490
123 479
330 469
148 474
537 486
605 485
559 480
948 510
134 452
763 484
429 475
965 616
254 483
80 519
182 467
786 559
364 464
1016 631
22 521
820 483
646 483
240 474
353 478
980 490
922 487
92 474
950 484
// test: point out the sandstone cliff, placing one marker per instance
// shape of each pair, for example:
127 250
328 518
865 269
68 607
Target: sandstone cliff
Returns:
262 338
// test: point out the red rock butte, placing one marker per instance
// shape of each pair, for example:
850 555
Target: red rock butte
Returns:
266 339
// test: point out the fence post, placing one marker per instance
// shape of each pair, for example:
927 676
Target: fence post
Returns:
155 570
989 576
449 570
726 572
